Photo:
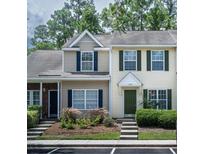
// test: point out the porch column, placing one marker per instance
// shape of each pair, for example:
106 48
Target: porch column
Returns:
41 97
58 111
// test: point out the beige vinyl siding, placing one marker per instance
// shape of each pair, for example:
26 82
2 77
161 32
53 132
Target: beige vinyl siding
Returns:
84 85
150 79
86 44
70 61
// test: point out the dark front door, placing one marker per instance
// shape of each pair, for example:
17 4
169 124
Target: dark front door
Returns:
129 101
53 104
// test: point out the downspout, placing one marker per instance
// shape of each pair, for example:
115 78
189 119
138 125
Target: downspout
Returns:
110 81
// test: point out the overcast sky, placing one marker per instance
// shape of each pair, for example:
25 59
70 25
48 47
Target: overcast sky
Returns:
39 11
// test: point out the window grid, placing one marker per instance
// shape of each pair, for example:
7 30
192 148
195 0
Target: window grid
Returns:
129 60
158 96
33 97
86 100
87 63
158 61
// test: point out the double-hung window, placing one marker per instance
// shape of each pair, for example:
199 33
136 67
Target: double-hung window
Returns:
85 99
33 97
158 60
130 60
158 99
87 61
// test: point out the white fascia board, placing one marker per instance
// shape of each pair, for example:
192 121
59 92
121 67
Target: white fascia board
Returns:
71 49
153 46
102 49
68 79
81 36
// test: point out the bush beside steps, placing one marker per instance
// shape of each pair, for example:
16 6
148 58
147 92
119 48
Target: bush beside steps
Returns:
156 118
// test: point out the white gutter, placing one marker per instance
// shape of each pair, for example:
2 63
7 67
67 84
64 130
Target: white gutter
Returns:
153 46
71 49
70 79
102 49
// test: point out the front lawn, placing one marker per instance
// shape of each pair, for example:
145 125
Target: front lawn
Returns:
98 136
156 134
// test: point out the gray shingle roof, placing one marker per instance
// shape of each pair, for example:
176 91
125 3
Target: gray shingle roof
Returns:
48 64
135 38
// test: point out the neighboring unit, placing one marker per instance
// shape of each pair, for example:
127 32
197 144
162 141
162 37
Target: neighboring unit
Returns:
119 72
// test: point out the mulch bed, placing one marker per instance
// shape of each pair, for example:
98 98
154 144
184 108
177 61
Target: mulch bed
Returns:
56 129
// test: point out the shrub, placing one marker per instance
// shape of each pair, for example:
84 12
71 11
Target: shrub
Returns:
108 122
83 123
148 117
101 113
34 107
168 119
32 118
71 114
96 121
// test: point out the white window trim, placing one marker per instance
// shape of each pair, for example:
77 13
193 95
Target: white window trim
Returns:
129 60
81 61
158 60
157 99
85 91
31 96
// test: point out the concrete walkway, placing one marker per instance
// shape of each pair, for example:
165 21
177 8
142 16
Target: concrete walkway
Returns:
101 143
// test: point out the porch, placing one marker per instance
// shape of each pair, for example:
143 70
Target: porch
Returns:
47 95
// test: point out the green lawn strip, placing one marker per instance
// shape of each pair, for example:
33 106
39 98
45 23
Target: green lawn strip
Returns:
153 135
99 136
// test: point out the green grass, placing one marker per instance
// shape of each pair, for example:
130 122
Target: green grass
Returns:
151 135
99 136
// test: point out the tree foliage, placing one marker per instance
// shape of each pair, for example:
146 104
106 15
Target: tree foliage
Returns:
122 16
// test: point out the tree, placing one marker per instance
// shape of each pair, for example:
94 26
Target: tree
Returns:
157 16
171 6
61 26
41 39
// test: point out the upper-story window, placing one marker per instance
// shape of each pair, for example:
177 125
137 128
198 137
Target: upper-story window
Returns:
87 61
158 60
130 60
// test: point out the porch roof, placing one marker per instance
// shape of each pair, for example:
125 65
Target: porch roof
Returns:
130 80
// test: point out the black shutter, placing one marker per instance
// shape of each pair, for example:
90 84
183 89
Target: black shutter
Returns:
138 60
78 61
121 60
70 98
145 98
169 92
166 60
148 60
95 61
100 98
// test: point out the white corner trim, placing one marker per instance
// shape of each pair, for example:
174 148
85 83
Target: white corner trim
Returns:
81 36
71 49
154 46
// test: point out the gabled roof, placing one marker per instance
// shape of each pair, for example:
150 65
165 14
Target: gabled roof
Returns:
130 80
78 38
137 38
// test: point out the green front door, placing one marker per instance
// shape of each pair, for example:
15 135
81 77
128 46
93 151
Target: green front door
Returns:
129 101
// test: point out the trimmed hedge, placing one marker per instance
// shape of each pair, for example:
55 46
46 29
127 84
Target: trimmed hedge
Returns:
156 118
168 119
32 118
34 107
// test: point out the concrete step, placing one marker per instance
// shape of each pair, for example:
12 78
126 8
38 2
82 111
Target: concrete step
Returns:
128 137
47 122
44 125
124 120
129 124
129 132
38 129
32 137
129 127
33 133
